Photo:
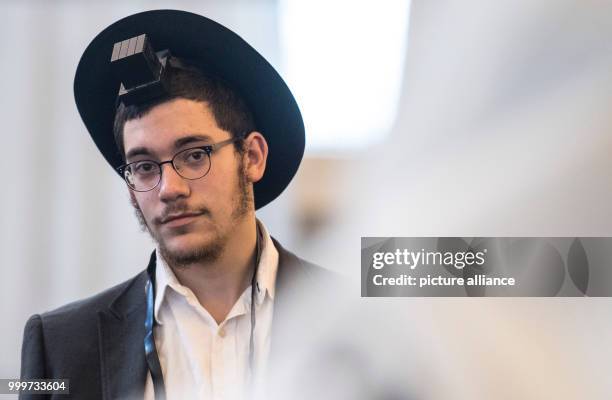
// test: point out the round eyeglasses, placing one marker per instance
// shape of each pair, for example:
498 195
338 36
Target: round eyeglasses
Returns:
192 163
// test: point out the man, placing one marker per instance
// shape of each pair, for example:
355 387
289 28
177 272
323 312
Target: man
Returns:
205 133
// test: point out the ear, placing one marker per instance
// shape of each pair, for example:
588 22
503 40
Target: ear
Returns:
256 154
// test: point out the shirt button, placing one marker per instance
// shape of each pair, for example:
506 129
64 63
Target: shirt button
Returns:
222 332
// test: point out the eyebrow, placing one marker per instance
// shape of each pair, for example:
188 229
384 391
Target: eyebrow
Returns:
178 143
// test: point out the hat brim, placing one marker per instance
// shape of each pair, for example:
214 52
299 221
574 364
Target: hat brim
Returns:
219 51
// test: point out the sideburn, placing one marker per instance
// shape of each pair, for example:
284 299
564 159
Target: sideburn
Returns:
139 215
245 200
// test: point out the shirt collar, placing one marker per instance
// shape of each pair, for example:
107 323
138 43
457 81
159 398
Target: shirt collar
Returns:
265 279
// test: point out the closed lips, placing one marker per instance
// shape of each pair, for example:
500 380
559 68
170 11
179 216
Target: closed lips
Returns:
178 216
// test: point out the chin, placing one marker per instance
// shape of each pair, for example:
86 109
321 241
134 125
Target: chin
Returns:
190 248
187 242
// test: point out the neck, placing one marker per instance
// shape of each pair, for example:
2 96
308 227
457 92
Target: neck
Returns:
218 285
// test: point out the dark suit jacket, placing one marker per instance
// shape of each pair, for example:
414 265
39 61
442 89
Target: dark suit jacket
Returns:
97 343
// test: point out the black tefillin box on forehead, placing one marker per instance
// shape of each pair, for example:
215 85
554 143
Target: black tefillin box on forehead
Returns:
140 69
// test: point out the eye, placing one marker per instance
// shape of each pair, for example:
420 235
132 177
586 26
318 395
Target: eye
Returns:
194 156
144 167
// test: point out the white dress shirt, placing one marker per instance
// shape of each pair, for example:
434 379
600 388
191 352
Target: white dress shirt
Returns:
201 359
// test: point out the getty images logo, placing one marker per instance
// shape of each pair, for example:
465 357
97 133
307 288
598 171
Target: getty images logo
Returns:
413 259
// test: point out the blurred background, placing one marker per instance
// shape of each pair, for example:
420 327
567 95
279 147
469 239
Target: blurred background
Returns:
441 118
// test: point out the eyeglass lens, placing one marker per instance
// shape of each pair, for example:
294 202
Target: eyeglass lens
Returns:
145 175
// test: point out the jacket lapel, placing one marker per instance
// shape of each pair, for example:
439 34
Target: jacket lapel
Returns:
121 341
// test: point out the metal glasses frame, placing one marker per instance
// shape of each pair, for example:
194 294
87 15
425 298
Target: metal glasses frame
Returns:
209 149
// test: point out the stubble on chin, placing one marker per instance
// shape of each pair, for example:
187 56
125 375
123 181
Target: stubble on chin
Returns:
180 259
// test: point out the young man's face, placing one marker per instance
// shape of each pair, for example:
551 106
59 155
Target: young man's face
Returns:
190 219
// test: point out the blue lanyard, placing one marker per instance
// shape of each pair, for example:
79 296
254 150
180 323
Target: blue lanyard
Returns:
149 340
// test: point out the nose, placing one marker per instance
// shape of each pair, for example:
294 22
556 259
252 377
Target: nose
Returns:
171 184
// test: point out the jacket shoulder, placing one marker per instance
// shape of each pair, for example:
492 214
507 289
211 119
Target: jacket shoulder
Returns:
64 342
315 271
294 269
84 309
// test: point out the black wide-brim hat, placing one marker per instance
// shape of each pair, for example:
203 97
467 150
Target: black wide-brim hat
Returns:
218 51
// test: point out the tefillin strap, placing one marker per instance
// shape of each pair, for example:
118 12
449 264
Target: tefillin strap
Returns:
141 71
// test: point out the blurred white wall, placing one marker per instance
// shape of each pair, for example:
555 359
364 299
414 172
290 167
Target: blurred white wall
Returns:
504 126
504 129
